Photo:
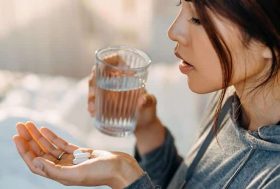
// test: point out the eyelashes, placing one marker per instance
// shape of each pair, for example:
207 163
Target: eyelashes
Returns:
193 20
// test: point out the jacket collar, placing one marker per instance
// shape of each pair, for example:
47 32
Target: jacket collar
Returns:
266 137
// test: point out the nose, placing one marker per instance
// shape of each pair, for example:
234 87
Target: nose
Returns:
178 31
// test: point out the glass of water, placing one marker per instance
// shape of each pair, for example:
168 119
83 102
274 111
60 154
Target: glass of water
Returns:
121 75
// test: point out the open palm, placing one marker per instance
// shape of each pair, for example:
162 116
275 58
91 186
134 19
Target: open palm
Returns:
48 155
32 143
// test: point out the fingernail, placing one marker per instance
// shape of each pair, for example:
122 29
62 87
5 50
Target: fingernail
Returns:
28 123
144 98
19 123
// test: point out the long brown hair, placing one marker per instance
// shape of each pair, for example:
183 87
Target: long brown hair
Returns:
256 19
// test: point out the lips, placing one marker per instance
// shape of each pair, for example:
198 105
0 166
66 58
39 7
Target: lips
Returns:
179 56
184 62
185 67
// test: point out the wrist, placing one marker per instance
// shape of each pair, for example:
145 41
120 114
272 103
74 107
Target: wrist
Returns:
128 172
151 137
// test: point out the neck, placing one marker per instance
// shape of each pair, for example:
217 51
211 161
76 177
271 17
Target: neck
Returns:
260 107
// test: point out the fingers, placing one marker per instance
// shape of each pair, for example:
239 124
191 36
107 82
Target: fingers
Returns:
147 100
91 103
32 145
91 93
25 152
57 141
45 145
30 138
23 132
146 111
43 166
114 59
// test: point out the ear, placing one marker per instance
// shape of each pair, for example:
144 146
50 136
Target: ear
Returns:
266 53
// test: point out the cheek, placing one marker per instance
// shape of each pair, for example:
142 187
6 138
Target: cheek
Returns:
207 77
206 81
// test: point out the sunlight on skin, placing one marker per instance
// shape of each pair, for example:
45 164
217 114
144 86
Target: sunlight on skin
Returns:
40 149
34 144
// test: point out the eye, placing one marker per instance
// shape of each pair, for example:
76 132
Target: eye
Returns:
195 21
179 3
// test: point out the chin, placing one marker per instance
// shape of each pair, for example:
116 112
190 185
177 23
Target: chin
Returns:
197 91
202 89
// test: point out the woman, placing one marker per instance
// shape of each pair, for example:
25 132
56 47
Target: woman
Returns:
221 44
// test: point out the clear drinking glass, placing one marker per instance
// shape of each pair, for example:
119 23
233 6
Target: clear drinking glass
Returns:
121 75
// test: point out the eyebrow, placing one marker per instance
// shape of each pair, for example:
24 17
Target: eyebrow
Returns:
188 0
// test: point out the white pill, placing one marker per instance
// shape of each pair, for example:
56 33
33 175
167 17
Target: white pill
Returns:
82 155
77 161
77 152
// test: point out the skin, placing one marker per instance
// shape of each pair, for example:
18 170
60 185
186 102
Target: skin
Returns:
250 64
148 122
40 148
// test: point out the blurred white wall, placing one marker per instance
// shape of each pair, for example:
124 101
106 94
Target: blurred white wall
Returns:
60 36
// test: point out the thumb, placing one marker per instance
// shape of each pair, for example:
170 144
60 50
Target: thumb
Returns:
39 166
42 166
59 173
47 168
147 102
146 111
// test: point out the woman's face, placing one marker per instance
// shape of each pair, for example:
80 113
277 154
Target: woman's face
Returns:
204 73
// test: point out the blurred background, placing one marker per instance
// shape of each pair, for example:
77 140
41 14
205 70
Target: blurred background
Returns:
59 37
46 54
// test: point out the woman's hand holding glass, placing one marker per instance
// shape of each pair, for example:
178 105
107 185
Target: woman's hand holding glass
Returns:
149 131
50 156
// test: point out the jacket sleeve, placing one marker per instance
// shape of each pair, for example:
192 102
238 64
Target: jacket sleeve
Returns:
162 163
143 182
